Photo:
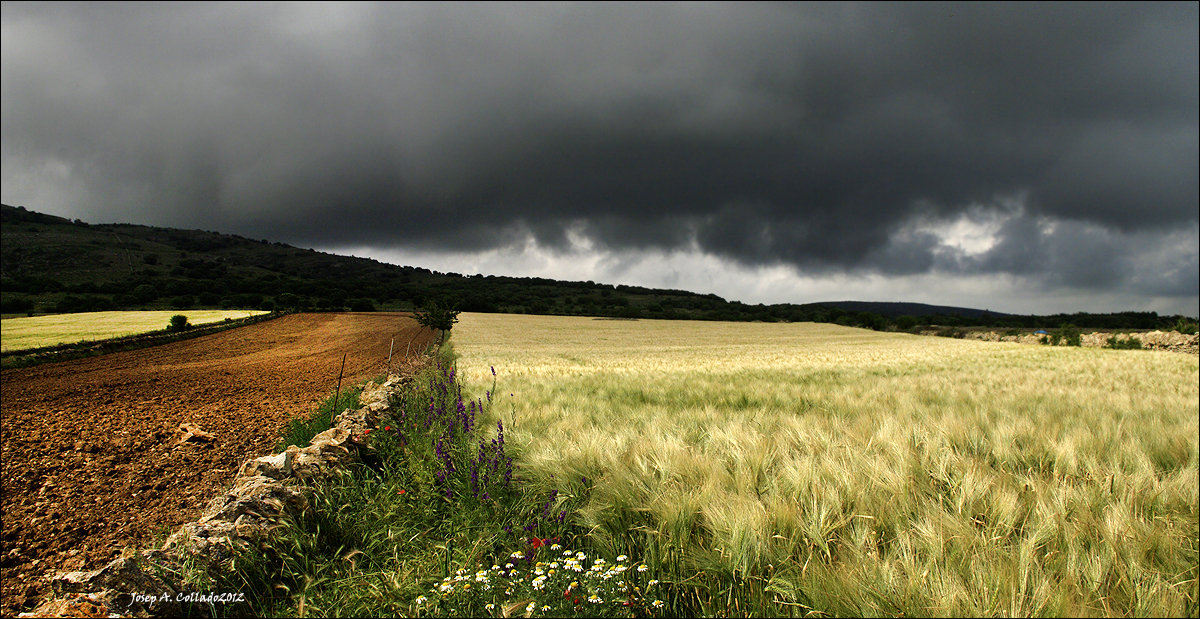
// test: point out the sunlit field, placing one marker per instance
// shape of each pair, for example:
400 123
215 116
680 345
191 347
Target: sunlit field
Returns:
805 468
38 331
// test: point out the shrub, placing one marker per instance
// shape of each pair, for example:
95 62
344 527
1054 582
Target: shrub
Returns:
1067 335
1186 327
178 322
183 302
630 311
1129 343
300 432
951 332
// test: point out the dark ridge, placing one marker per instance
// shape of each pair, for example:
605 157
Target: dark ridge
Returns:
897 309
50 264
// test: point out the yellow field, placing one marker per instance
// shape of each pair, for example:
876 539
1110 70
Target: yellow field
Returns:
35 332
804 468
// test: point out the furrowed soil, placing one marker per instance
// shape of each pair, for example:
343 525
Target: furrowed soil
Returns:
91 459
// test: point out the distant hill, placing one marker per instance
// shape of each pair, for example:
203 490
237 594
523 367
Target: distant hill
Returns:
51 264
895 310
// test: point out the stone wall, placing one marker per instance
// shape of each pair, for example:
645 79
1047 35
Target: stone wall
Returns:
1172 341
266 491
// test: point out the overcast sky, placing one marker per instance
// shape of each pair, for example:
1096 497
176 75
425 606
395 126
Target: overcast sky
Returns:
1024 158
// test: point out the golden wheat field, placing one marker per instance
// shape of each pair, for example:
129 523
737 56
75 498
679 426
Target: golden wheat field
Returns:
811 469
35 332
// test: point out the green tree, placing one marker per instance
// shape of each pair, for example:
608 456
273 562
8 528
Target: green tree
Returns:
179 322
438 316
287 300
145 293
361 305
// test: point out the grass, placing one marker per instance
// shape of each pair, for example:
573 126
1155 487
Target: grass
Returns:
414 527
300 432
813 469
435 495
41 331
762 469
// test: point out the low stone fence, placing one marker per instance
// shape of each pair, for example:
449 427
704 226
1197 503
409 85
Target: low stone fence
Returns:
266 491
1172 341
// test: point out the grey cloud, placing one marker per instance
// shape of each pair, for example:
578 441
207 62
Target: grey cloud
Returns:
1126 176
766 134
1088 257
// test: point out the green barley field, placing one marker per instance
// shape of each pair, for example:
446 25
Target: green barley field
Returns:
34 332
810 469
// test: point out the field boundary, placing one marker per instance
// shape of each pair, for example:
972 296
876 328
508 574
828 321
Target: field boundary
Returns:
28 357
1168 341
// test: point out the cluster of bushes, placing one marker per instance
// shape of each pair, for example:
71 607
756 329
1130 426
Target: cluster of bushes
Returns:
1129 343
16 305
1186 326
1068 335
951 332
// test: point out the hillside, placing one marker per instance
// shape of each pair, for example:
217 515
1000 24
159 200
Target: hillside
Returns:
51 264
895 310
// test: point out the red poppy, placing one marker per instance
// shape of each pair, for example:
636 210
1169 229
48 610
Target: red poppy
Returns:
536 543
386 428
401 491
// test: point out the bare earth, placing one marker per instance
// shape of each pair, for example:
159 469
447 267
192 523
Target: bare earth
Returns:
90 462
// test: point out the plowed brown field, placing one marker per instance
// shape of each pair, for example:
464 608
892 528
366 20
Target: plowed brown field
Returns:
90 460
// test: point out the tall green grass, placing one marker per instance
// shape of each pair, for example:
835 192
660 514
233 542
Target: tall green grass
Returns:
801 469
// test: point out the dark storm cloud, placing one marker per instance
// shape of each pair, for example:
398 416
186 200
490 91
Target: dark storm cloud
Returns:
806 135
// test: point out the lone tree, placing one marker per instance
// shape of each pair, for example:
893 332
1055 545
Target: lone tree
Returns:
179 322
437 316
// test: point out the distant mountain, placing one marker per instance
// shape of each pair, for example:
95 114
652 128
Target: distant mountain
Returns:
894 310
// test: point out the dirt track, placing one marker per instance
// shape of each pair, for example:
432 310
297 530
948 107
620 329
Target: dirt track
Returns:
90 462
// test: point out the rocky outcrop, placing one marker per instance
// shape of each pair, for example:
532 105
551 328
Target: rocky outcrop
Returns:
267 490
